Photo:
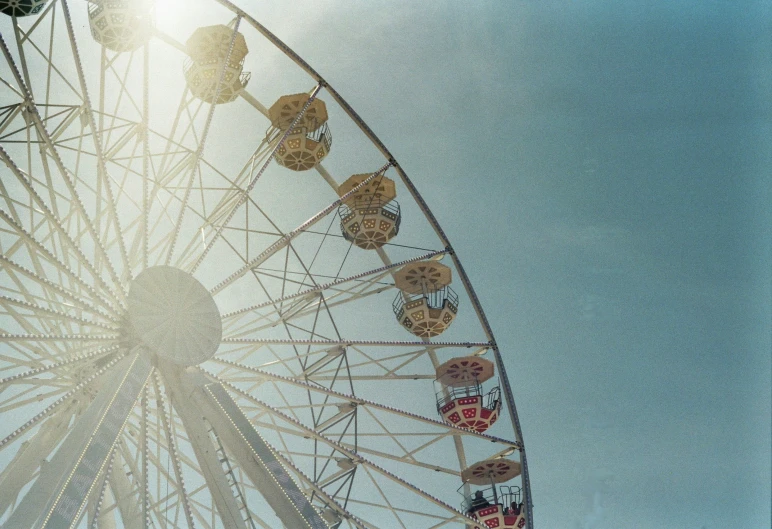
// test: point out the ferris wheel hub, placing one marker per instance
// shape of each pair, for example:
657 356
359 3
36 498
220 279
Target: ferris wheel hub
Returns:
174 315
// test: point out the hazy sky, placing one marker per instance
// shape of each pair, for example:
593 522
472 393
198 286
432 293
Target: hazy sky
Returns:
602 169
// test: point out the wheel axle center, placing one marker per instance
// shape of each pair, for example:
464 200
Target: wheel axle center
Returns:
174 315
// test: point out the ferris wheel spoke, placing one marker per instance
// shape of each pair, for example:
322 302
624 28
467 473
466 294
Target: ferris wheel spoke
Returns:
28 316
44 135
363 282
286 239
97 141
356 401
171 444
39 250
55 224
355 457
17 401
75 359
47 292
57 337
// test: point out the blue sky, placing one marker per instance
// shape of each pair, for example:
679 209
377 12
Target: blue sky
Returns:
601 168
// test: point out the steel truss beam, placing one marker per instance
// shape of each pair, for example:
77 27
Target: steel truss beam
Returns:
65 484
256 458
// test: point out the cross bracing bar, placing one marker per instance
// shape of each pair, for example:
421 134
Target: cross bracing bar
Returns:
76 201
333 284
286 239
253 180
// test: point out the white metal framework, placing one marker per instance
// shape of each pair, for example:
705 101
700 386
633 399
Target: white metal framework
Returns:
187 337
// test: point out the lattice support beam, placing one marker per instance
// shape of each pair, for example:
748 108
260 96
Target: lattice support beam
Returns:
66 482
255 457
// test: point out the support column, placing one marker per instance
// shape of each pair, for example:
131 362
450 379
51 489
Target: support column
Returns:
255 457
65 484
206 455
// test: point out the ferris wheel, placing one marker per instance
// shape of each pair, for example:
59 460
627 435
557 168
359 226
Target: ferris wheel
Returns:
211 314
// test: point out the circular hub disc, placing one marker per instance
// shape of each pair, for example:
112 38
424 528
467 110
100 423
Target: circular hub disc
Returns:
174 315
